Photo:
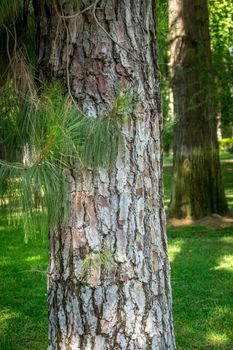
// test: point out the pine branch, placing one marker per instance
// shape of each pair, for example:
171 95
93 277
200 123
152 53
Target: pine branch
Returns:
55 133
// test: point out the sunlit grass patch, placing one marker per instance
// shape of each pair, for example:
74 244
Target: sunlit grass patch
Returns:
214 338
175 249
34 258
225 263
5 316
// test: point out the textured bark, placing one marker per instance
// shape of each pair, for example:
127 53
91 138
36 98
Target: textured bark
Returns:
197 183
126 305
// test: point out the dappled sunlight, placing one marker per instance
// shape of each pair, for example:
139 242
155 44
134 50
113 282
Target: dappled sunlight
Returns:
5 316
225 263
230 200
214 338
180 222
219 312
227 239
166 203
175 249
33 258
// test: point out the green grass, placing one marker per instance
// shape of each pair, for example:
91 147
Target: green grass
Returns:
23 299
167 159
202 276
225 155
202 281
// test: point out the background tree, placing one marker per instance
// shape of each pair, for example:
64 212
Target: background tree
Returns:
221 29
197 184
108 282
163 62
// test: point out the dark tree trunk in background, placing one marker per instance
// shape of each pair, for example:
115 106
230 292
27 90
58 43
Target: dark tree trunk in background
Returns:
128 305
197 183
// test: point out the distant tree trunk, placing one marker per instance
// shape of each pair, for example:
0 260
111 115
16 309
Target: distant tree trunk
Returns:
126 305
197 183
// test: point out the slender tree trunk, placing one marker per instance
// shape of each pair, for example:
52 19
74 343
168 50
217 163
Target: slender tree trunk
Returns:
126 305
197 183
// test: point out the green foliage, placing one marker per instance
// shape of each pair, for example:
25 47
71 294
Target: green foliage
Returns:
163 58
9 109
167 135
221 23
226 144
12 9
9 10
44 138
162 37
42 134
105 133
33 196
94 261
221 29
17 41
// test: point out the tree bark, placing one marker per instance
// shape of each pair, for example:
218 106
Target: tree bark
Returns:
197 182
126 305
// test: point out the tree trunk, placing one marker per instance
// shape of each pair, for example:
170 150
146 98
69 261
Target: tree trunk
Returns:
197 183
126 305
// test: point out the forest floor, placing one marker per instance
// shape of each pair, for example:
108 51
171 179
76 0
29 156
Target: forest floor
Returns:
202 279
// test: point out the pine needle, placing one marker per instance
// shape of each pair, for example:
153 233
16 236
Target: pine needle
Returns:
43 139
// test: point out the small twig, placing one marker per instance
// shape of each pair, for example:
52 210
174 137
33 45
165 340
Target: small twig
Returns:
15 38
77 14
7 44
46 150
109 35
67 51
67 65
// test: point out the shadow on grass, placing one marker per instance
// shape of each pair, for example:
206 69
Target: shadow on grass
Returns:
23 298
202 281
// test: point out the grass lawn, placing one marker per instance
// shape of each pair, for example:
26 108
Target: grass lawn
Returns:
202 281
23 299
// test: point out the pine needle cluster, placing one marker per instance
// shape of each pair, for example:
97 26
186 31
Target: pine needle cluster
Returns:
94 261
10 10
42 140
42 133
